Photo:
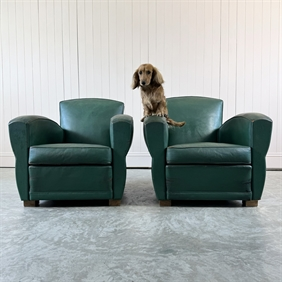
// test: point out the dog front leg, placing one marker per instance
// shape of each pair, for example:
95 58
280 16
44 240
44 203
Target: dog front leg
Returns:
162 109
147 112
147 104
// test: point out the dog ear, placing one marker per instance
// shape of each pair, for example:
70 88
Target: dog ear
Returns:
135 80
157 77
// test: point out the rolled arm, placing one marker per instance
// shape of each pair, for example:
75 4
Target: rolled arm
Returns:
121 133
253 130
33 130
26 131
156 138
249 129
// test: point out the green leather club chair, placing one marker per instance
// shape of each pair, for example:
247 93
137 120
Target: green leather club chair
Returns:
83 158
205 159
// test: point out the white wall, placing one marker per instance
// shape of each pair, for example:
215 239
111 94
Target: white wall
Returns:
62 49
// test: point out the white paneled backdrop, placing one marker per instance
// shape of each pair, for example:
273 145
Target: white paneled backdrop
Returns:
51 50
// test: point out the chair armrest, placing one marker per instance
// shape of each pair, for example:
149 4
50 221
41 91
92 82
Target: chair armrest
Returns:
33 130
121 133
156 137
249 129
26 131
253 130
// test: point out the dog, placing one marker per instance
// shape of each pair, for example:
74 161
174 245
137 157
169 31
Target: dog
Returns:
150 81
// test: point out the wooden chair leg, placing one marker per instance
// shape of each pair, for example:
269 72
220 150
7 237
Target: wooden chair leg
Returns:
165 203
251 203
31 203
114 203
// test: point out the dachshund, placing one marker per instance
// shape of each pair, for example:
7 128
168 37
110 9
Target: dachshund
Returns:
150 81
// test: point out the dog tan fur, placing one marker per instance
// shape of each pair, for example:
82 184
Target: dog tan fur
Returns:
150 81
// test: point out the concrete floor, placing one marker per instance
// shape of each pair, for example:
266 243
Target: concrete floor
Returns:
140 241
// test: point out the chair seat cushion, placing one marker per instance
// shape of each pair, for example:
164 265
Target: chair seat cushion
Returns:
70 154
208 153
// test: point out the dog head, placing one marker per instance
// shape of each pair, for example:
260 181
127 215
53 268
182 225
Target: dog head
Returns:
145 75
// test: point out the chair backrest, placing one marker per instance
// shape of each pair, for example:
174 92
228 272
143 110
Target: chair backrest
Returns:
203 117
87 120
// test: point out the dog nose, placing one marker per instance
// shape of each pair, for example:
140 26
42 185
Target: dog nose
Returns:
143 82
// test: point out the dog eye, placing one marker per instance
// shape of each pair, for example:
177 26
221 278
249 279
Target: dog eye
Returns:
140 72
148 72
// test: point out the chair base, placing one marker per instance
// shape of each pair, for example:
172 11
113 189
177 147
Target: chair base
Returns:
251 203
31 203
36 203
165 203
114 203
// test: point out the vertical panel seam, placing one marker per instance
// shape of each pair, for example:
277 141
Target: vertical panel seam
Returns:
270 55
18 94
32 66
63 57
220 39
236 67
279 81
2 79
24 57
109 60
39 53
77 51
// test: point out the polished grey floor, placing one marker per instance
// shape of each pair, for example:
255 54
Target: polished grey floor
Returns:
140 241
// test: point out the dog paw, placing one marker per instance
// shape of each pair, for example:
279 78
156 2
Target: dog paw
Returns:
161 115
143 118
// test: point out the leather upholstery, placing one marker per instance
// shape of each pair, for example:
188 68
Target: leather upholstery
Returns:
82 158
70 182
76 114
208 153
26 131
254 130
70 154
198 181
202 129
206 159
